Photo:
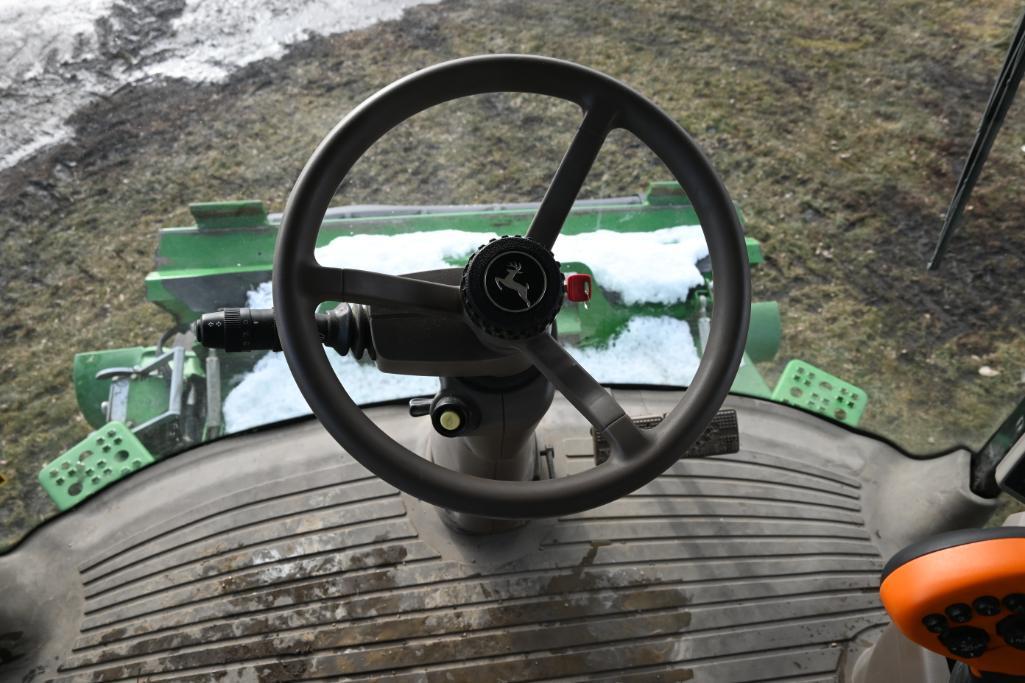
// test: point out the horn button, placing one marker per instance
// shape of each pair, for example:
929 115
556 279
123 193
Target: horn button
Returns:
512 288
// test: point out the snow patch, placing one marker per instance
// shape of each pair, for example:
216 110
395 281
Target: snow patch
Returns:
212 38
650 350
57 56
657 267
268 393
44 47
41 34
403 253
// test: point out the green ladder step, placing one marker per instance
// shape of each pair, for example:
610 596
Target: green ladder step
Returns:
805 386
97 461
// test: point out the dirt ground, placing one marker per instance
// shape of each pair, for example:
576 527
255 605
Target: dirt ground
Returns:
840 129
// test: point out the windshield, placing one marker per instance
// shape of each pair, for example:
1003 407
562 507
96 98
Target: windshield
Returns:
839 132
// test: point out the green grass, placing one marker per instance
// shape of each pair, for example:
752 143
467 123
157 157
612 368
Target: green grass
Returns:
838 127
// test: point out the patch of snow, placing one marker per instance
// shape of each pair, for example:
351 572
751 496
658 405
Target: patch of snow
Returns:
261 297
57 56
650 350
40 35
403 253
212 38
657 266
268 393
48 132
44 49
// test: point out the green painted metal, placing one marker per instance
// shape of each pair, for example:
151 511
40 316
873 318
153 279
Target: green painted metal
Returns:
147 397
97 461
662 192
193 250
754 251
599 320
765 331
157 293
806 386
235 241
236 214
230 250
91 392
230 253
749 381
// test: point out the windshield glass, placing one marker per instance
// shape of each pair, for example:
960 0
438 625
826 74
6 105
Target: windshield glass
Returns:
148 148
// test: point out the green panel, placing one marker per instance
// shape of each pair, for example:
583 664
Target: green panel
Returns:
100 459
147 396
749 381
663 192
754 251
91 392
595 323
600 320
251 247
158 294
237 214
235 240
765 331
806 386
186 254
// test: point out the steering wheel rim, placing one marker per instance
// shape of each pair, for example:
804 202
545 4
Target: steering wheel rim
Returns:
299 284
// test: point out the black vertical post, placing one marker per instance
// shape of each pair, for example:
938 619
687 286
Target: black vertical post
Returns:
999 102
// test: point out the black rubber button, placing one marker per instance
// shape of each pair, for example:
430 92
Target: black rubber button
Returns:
1015 602
966 642
935 623
987 606
1012 630
959 613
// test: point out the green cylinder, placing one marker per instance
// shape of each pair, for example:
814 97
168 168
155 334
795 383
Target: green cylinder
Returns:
766 330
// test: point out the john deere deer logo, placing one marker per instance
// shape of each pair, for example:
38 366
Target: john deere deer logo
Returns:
515 282
512 270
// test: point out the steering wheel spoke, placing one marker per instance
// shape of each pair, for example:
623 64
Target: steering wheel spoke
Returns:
569 178
377 289
590 398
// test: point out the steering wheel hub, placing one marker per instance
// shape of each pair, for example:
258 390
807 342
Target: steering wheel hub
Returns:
512 288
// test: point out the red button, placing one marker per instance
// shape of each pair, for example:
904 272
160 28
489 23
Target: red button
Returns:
578 287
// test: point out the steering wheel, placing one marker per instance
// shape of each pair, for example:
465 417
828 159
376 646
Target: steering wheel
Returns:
509 321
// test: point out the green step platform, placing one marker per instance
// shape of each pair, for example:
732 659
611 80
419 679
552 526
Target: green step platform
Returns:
805 386
108 454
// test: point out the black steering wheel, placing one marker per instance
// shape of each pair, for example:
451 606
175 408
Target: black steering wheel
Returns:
300 284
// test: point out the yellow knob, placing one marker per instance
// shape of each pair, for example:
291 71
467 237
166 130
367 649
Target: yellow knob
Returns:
450 420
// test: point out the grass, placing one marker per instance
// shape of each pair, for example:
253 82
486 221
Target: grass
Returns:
839 127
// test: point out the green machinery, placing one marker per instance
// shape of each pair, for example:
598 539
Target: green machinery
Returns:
158 400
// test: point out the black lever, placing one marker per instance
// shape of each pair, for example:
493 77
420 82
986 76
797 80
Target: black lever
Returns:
346 329
721 436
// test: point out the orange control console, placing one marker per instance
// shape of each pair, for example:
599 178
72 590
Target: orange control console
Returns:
962 594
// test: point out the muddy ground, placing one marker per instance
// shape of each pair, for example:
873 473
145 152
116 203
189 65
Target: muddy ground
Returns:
839 127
